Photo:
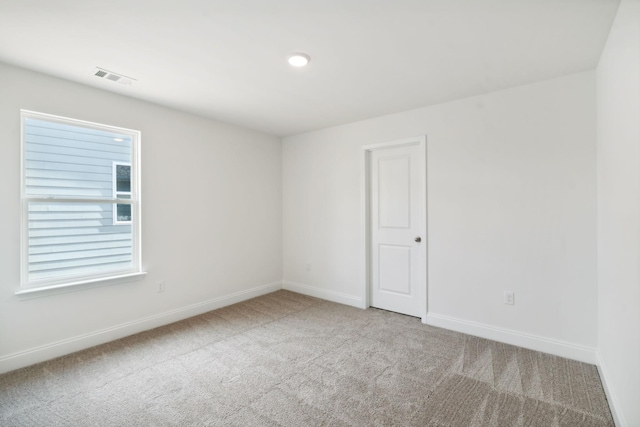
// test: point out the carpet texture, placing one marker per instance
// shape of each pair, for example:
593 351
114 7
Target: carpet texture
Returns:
290 360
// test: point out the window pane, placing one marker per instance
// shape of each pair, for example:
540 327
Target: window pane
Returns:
65 160
76 239
123 178
124 212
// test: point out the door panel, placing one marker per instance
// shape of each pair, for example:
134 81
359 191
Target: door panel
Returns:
398 262
393 192
394 265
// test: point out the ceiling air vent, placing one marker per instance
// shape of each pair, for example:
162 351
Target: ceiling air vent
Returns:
114 77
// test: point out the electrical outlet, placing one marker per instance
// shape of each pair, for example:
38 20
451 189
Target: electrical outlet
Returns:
161 286
509 297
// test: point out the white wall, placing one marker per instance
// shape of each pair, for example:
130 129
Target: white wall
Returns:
618 83
511 205
211 197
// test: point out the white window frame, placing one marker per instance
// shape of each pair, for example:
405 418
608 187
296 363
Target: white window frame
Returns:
117 193
47 286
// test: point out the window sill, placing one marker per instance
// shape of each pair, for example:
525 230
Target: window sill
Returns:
80 285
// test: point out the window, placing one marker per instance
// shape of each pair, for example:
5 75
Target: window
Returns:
80 201
121 190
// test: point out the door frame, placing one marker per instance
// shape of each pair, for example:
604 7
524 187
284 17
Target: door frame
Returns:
421 142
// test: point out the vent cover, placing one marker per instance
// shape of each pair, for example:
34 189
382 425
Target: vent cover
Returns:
114 77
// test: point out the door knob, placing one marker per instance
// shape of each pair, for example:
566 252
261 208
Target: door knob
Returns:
418 239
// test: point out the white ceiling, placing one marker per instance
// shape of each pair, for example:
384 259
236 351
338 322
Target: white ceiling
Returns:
226 59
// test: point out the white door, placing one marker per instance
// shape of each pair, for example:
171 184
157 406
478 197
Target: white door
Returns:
398 223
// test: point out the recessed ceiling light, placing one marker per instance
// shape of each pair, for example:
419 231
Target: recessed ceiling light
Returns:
298 59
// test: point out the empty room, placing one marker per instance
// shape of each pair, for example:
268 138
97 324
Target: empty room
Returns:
328 213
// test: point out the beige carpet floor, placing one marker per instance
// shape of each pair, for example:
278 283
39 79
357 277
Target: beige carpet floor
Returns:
289 360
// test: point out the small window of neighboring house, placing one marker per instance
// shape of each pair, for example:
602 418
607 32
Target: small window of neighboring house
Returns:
121 190
80 201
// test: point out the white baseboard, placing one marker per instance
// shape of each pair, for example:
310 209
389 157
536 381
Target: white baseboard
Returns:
313 291
532 342
618 417
81 342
